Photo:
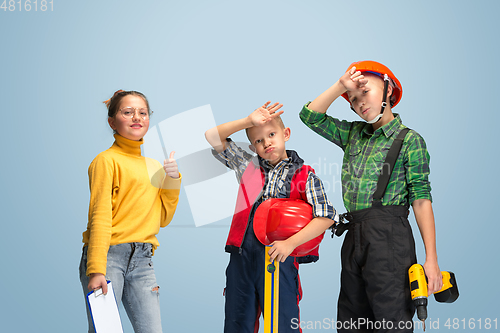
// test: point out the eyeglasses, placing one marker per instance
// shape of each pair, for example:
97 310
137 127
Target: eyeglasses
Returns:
129 112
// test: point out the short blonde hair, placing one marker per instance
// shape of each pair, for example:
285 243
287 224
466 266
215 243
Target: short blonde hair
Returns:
278 119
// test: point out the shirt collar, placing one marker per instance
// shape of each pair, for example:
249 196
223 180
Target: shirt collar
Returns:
293 159
388 129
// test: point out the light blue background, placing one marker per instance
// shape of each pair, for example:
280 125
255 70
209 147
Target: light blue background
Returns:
57 67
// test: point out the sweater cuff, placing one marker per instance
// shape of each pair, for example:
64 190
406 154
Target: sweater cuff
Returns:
170 183
96 267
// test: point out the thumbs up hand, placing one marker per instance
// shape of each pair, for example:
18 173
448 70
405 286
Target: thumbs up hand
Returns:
170 166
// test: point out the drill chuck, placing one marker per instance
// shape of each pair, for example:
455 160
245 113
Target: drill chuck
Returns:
421 305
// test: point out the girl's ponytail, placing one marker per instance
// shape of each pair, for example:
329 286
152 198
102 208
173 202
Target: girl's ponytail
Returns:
109 103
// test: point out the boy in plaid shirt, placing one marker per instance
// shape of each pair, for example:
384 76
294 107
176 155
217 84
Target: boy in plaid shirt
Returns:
379 247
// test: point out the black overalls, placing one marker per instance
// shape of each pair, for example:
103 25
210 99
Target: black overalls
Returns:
376 254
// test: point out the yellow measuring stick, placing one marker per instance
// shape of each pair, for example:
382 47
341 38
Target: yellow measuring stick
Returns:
271 293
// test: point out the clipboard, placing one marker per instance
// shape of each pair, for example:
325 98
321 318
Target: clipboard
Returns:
104 311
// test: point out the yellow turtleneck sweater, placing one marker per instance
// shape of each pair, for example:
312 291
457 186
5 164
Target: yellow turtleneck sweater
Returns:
131 197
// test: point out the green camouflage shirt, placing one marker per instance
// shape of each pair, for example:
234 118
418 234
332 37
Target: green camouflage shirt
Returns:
364 155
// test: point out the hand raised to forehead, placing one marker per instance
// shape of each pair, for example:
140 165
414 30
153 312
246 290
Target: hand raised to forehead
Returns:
352 80
265 113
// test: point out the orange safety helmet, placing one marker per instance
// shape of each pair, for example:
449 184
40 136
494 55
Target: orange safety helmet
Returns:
278 219
378 69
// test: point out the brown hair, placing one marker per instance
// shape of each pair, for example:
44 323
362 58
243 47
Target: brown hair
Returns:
114 102
392 84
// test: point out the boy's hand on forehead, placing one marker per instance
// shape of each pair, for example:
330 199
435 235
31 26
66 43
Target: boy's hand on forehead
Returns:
353 80
265 113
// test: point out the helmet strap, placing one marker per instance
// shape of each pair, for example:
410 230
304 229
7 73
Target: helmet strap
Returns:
384 101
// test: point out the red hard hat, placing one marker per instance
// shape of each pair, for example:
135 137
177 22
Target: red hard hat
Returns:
379 69
278 219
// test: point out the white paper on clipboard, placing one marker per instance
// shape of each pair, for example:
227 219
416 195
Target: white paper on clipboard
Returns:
104 311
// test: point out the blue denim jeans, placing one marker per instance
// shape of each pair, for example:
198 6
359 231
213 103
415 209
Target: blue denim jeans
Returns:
130 269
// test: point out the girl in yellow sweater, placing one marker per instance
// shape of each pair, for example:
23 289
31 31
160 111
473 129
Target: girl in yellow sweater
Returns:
131 197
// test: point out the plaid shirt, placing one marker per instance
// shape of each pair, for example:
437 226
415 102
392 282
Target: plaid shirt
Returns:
365 151
238 159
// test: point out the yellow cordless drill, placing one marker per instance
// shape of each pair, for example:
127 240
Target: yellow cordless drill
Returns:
418 288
